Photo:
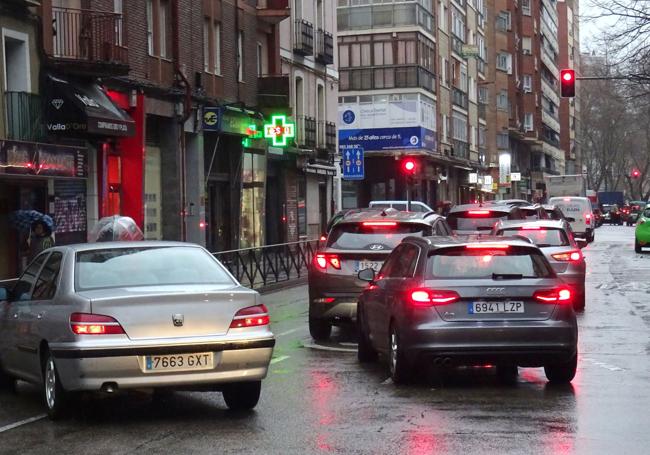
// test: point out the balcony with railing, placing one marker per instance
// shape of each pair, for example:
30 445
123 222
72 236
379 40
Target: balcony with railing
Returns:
457 45
482 111
304 37
382 16
460 149
273 11
324 47
306 131
273 91
459 98
24 117
86 41
383 77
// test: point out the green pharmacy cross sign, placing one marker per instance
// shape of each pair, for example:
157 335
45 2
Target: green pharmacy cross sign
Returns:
279 130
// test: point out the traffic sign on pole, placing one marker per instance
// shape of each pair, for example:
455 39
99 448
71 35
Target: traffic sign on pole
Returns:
352 163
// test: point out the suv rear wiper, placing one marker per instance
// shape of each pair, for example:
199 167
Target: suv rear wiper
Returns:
507 276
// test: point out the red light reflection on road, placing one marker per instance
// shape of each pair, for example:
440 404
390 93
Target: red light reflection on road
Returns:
421 442
323 389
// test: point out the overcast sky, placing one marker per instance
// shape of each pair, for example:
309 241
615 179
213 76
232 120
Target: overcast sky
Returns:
591 29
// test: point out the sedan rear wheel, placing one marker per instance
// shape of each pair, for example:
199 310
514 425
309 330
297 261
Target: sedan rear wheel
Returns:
562 373
637 246
400 369
319 329
56 397
242 396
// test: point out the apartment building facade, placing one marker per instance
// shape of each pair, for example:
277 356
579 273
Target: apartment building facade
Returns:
409 75
523 43
305 172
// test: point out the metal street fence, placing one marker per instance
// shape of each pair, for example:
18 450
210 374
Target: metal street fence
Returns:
271 264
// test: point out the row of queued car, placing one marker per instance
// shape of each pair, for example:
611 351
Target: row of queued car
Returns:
495 283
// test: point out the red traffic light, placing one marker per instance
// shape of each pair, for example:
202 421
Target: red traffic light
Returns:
568 83
409 166
635 173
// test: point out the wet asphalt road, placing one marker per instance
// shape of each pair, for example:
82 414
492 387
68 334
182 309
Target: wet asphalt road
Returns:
320 400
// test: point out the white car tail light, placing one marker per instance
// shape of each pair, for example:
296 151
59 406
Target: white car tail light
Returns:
252 316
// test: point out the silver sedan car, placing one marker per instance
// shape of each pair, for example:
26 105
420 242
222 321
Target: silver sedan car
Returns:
561 248
113 316
463 302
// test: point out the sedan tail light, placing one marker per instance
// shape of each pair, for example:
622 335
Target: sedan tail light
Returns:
561 295
321 261
94 324
430 297
568 256
252 316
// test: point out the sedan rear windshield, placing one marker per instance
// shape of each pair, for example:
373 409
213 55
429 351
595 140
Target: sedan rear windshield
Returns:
475 220
358 236
544 237
126 267
509 263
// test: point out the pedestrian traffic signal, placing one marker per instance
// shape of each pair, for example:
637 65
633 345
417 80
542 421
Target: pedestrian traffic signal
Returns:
409 166
568 83
636 173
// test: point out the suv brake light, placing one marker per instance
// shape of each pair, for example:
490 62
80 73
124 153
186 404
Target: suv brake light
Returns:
252 316
488 246
478 212
560 295
429 297
322 260
94 324
572 256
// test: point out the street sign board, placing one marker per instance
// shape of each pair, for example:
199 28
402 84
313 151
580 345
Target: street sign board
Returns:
352 163
515 176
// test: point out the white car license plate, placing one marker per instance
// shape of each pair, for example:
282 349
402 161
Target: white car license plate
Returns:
495 307
179 362
375 265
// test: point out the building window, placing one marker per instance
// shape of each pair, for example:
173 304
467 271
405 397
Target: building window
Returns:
526 45
525 7
163 15
240 56
217 48
504 62
457 25
483 95
528 83
504 21
459 127
259 59
528 121
150 27
503 141
445 128
118 8
17 72
444 72
502 100
206 45
443 18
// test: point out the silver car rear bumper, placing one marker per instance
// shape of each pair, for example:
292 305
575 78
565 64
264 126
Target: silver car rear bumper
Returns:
90 369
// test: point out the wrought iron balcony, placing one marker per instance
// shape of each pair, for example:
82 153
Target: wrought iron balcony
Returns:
86 41
304 37
24 117
273 91
325 47
306 136
327 136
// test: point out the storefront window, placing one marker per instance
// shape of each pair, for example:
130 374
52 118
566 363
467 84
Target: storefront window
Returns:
253 199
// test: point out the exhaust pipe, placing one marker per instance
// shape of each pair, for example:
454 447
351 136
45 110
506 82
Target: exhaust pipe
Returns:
109 387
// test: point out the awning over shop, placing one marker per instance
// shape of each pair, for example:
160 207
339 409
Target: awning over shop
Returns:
73 106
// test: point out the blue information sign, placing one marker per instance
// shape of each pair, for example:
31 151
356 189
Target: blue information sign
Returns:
352 162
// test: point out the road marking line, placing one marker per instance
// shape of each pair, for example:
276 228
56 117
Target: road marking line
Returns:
607 366
327 348
289 331
279 359
22 422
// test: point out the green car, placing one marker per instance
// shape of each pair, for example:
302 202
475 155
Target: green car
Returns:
642 233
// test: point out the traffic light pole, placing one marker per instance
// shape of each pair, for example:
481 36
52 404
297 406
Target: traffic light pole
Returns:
408 194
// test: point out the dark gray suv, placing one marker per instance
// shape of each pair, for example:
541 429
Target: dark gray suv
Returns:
494 300
359 240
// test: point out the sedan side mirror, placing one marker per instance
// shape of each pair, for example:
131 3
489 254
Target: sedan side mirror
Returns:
570 220
367 275
582 243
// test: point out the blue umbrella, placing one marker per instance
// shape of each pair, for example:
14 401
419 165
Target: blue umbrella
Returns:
23 219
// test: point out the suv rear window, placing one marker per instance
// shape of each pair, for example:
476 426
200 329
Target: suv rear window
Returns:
354 236
475 220
465 263
541 237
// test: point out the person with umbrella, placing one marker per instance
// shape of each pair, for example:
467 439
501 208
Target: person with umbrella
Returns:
40 239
